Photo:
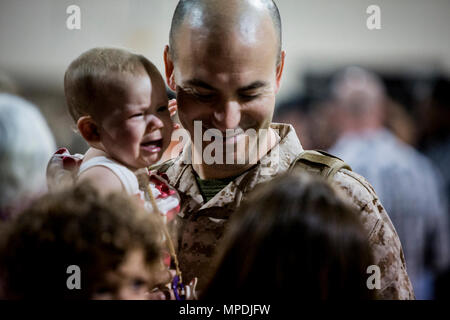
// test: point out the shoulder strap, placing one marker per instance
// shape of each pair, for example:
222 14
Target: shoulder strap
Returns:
318 162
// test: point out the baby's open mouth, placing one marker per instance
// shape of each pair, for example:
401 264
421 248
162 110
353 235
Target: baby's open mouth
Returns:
152 146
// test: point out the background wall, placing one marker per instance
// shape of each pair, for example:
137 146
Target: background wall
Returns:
319 35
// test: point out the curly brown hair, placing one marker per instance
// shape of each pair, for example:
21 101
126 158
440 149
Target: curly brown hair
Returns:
73 227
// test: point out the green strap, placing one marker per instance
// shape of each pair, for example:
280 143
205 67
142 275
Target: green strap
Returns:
319 162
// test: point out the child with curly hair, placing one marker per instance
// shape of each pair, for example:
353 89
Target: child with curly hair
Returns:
115 244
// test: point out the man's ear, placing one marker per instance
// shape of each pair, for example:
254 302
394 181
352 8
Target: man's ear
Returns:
88 129
280 68
169 67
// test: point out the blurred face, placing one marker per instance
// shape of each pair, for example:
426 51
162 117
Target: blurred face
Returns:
227 83
131 281
135 126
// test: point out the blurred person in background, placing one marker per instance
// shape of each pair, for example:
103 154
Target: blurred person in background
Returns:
400 122
7 85
436 144
436 137
407 183
26 145
296 111
116 245
294 239
312 119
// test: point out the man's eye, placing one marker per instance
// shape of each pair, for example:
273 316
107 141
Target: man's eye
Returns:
248 97
204 97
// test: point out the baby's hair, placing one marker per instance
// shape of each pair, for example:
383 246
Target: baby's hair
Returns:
74 227
88 75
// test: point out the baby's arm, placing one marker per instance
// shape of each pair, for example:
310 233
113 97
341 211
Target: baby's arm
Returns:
101 178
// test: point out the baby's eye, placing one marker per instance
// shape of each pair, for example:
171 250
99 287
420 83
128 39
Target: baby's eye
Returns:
204 97
138 284
137 115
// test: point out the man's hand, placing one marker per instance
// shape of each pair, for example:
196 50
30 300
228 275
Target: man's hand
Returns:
62 169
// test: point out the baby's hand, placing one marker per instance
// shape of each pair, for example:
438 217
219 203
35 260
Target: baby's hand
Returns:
173 108
191 290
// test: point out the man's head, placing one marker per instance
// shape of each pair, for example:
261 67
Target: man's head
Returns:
196 9
225 63
119 102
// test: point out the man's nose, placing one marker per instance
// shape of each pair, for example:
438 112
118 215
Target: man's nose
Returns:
227 115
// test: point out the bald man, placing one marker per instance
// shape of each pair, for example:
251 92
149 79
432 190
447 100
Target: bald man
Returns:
225 63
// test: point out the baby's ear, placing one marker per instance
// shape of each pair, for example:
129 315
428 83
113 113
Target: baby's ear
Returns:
88 129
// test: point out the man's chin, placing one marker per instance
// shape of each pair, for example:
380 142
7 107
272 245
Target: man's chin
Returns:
240 151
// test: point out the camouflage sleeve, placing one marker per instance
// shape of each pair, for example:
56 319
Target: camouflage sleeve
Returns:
383 239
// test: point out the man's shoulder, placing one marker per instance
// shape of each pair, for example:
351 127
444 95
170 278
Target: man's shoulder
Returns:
355 186
383 238
358 191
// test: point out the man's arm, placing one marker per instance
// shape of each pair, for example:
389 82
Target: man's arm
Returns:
383 239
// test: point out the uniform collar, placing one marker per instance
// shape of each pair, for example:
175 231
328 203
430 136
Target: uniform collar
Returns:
277 160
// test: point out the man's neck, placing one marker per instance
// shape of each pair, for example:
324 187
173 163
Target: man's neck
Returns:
222 171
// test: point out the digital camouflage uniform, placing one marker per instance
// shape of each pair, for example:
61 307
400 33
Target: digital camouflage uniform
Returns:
202 225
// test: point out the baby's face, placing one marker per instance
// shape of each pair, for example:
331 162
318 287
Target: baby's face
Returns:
135 126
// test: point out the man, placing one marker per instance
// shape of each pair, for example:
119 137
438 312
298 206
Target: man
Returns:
225 63
405 181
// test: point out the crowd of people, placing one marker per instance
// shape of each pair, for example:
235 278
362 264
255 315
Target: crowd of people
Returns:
400 152
143 218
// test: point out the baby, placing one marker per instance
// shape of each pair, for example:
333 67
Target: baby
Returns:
119 103
118 100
